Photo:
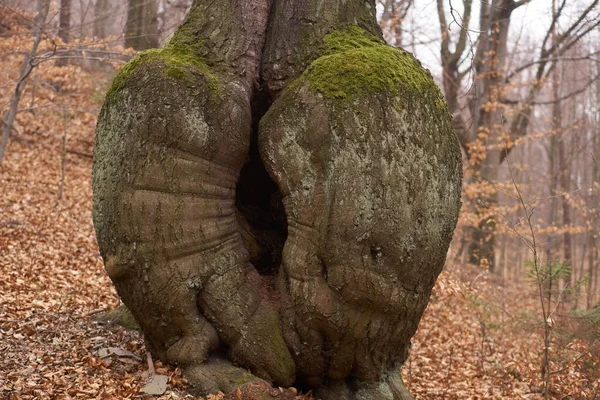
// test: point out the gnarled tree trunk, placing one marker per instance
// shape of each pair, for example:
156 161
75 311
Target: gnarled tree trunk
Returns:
277 187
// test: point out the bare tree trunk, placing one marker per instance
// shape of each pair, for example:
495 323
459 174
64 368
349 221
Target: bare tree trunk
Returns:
552 168
490 61
595 186
563 169
100 18
64 27
141 29
486 108
26 68
555 147
564 180
64 22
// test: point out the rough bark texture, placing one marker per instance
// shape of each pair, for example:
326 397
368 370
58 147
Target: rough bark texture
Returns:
302 243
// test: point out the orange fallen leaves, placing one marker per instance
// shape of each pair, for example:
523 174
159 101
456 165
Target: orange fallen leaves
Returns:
53 279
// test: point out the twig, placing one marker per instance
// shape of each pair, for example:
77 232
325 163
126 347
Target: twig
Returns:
583 354
151 370
96 311
449 372
61 187
532 244
78 153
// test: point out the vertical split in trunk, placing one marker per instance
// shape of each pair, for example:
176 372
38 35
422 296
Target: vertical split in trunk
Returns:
259 200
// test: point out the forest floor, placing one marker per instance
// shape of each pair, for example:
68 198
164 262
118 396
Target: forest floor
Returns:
478 339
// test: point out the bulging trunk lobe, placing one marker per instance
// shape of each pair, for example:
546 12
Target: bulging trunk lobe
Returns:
277 187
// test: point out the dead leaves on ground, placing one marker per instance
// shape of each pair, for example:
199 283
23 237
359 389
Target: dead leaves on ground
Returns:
53 279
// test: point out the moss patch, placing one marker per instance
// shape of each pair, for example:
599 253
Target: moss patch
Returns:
356 63
179 62
349 38
186 35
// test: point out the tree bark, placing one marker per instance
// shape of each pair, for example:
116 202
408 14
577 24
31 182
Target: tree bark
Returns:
280 183
490 61
564 169
141 29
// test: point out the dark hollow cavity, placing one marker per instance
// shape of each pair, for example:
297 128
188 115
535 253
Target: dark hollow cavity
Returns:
259 200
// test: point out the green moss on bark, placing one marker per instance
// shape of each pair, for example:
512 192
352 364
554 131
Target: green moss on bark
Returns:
356 63
179 62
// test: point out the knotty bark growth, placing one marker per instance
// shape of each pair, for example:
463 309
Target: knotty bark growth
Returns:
277 187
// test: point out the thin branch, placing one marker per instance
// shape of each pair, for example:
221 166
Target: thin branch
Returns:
26 69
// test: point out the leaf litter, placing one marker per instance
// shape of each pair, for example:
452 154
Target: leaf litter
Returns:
471 344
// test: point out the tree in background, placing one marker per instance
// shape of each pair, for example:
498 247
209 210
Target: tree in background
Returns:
394 13
101 14
64 24
141 29
487 122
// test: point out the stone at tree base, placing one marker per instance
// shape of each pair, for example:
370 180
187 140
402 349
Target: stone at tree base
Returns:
218 375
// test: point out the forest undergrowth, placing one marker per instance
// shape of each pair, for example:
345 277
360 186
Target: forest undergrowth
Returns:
480 337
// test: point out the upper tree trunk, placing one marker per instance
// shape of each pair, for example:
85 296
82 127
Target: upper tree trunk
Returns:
593 271
488 117
64 26
141 29
64 23
297 30
564 168
287 193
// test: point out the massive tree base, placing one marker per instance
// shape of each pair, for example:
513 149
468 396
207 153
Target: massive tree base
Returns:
220 375
278 199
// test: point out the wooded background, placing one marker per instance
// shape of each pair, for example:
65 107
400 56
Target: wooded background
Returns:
521 78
